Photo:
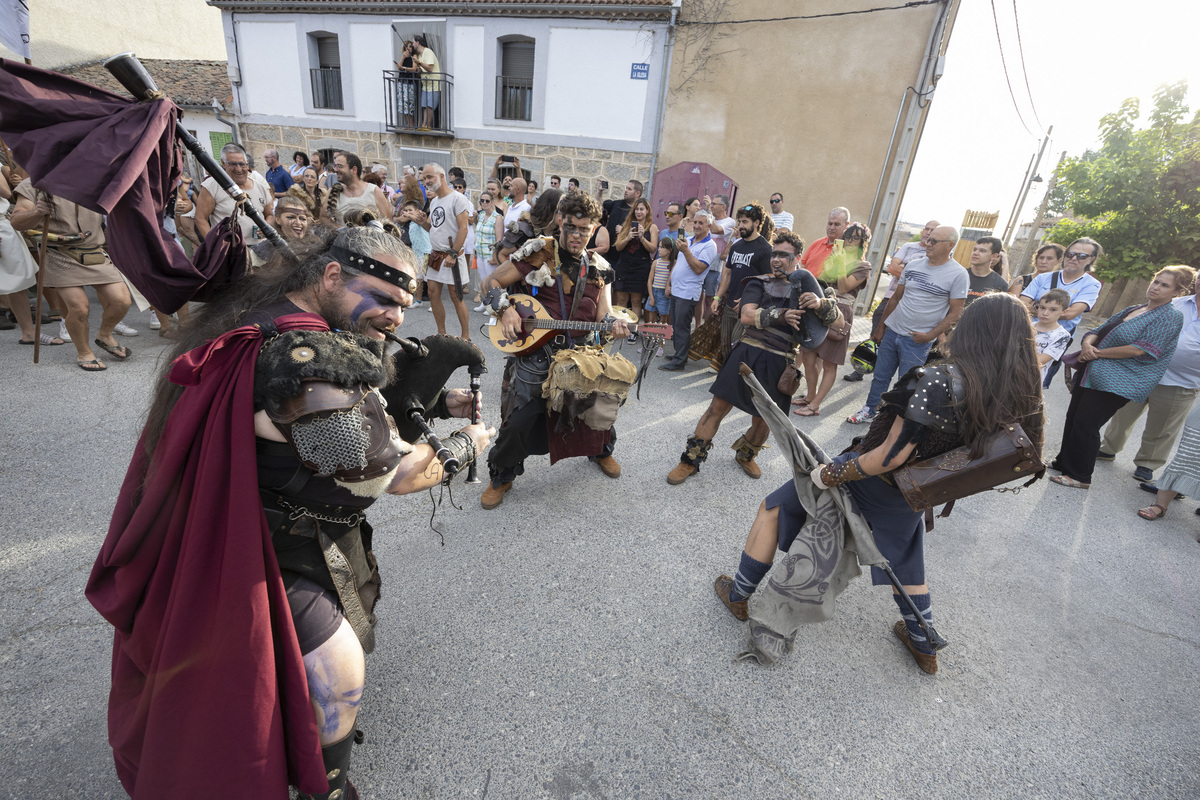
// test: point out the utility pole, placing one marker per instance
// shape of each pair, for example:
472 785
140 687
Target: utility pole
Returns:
1016 217
1023 265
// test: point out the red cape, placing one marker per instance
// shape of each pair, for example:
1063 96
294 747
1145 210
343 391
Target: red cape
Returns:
209 696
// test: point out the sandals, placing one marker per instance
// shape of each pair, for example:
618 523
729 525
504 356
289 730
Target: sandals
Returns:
807 411
47 341
1064 480
1148 514
94 365
117 351
799 401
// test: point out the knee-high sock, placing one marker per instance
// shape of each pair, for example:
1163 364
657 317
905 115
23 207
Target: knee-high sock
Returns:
750 573
915 633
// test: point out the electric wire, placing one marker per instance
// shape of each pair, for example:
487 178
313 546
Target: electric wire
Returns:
1025 72
1003 64
913 4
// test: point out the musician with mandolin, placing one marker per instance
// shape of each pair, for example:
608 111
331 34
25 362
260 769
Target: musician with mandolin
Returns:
572 289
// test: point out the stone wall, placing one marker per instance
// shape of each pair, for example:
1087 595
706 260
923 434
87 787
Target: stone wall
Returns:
474 156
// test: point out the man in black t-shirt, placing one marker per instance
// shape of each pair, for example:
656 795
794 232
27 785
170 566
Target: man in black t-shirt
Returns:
745 258
987 263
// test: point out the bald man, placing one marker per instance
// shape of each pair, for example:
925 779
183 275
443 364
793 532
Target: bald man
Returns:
277 175
929 298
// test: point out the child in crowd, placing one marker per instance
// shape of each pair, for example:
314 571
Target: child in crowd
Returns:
1052 338
418 240
658 288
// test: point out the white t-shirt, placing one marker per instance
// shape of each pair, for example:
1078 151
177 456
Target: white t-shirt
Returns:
728 226
260 195
783 220
1053 343
443 228
512 215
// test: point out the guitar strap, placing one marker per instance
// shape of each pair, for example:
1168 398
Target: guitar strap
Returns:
577 295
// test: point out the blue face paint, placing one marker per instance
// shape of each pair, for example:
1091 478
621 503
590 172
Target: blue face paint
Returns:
370 301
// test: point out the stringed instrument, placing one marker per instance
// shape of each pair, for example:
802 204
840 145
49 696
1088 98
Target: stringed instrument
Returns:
539 327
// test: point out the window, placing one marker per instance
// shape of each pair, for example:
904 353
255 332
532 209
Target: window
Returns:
217 140
514 84
327 76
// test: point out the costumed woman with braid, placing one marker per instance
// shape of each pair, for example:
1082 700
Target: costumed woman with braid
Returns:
571 284
991 379
238 570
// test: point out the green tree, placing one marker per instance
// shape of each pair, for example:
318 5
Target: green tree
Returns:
1139 194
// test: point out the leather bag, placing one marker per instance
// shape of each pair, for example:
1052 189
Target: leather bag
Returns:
841 332
1009 455
789 381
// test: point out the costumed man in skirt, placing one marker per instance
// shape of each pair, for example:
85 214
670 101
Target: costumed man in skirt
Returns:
554 267
773 310
238 570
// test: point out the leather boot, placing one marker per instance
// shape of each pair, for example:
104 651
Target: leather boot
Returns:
337 762
494 495
926 661
608 465
691 459
745 456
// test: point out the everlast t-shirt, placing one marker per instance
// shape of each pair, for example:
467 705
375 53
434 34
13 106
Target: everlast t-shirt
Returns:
746 259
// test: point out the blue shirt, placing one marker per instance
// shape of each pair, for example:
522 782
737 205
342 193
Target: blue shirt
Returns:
1184 369
279 178
1084 289
685 283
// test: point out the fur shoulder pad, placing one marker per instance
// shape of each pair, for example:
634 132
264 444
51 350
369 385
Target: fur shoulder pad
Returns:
289 359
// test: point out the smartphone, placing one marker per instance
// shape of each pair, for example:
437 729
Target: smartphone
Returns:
603 184
507 159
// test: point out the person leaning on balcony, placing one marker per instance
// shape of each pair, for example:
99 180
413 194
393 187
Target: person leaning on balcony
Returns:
431 95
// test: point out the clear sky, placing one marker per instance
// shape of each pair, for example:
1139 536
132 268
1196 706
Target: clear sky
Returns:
1083 57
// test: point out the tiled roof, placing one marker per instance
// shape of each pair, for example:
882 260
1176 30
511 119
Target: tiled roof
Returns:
190 84
575 9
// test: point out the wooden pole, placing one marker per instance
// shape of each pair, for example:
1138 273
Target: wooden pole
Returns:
41 278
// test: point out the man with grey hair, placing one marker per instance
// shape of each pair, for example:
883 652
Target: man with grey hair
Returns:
255 573
695 257
930 295
214 203
447 223
819 250
277 176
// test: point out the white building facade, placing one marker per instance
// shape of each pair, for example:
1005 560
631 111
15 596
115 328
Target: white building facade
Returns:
573 89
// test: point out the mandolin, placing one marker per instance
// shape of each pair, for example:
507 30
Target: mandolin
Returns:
539 327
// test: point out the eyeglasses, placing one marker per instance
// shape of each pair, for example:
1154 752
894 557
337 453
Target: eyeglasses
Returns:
1079 256
236 164
782 254
940 241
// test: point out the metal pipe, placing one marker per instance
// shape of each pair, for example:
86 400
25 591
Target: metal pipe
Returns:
891 145
662 94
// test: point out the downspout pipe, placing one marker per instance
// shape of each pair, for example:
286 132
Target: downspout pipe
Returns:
662 93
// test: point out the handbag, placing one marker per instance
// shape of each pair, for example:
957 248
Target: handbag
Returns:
839 333
789 381
1008 455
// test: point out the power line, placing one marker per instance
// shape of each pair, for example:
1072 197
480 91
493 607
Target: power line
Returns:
913 4
1025 72
1011 93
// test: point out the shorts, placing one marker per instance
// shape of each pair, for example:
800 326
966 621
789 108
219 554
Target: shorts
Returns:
712 282
662 303
430 99
316 613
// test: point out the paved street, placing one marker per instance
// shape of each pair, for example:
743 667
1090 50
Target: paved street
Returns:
568 645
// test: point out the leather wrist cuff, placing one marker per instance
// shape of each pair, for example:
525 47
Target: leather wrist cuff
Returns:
837 474
461 446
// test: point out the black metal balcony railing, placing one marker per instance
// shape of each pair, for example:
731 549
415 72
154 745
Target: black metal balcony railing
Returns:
514 98
326 87
419 103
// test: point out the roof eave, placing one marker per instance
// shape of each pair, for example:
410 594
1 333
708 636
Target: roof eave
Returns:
451 8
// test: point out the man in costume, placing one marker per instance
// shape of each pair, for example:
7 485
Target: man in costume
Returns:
238 570
571 285
773 309
352 193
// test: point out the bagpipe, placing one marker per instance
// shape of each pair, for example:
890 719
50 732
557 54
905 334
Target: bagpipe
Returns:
422 369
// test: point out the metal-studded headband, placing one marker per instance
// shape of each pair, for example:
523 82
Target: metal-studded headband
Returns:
376 269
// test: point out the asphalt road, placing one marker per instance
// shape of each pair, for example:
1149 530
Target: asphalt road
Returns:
568 645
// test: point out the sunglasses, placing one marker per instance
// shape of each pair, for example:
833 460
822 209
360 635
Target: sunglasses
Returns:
670 214
1078 256
777 202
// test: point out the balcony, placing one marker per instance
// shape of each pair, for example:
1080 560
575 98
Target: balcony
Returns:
419 104
514 98
326 87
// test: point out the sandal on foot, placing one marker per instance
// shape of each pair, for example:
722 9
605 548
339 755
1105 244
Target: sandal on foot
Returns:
94 365
799 401
47 341
1064 480
807 411
117 351
1148 514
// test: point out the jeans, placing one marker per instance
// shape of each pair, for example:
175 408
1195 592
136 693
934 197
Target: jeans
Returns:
712 281
896 356
681 321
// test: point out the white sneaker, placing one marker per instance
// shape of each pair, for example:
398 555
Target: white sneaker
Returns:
124 330
62 331
659 353
865 414
479 307
154 323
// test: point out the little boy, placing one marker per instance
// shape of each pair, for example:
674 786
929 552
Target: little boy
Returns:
1052 339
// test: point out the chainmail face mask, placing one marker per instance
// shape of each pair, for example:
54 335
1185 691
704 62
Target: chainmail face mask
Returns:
334 442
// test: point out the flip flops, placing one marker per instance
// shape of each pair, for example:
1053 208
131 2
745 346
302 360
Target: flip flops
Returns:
1064 480
93 365
47 341
120 352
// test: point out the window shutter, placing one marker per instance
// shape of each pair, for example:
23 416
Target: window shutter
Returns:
327 52
517 60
